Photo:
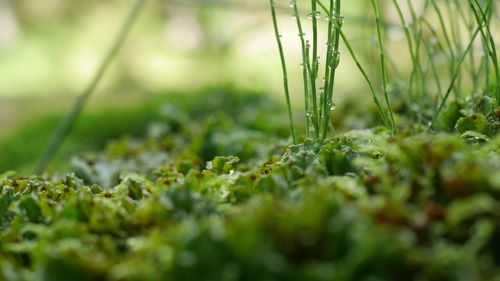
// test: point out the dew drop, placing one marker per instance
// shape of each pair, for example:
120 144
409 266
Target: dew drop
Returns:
332 106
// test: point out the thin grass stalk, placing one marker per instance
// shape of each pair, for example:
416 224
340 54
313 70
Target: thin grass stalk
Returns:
447 39
314 71
416 68
424 44
433 54
360 67
432 29
485 48
492 52
417 73
334 25
312 93
475 70
430 69
383 66
66 125
392 64
329 55
305 63
434 71
454 78
336 55
454 23
444 29
284 69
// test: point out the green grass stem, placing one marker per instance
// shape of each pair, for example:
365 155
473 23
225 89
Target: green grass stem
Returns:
284 69
360 67
383 65
481 19
333 60
305 63
315 65
454 78
64 128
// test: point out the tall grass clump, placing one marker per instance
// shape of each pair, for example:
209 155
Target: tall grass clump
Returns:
441 38
319 93
452 55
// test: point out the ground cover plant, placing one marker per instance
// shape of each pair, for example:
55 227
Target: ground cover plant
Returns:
231 185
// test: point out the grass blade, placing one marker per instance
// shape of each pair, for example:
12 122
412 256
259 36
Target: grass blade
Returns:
454 79
382 65
361 69
68 122
305 63
283 67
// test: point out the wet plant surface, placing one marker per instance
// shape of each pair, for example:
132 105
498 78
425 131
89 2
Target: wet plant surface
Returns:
233 185
214 192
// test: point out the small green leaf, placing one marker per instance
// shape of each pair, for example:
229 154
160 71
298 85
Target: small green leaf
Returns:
6 198
450 115
223 164
29 206
476 122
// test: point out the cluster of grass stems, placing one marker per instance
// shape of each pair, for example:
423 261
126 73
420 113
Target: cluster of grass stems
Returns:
447 43
443 53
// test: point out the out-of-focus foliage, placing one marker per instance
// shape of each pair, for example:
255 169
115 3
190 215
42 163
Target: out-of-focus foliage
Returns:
212 192
24 144
206 187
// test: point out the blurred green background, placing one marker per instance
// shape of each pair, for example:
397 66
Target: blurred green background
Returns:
50 49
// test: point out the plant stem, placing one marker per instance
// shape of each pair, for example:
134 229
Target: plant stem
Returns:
65 126
488 37
305 65
285 74
455 76
315 64
334 26
360 67
382 65
415 62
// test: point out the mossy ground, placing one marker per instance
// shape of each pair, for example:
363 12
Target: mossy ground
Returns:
212 191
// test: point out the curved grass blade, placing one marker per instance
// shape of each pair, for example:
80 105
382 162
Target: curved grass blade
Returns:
68 122
454 79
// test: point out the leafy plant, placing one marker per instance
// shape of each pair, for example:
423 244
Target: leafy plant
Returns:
363 203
